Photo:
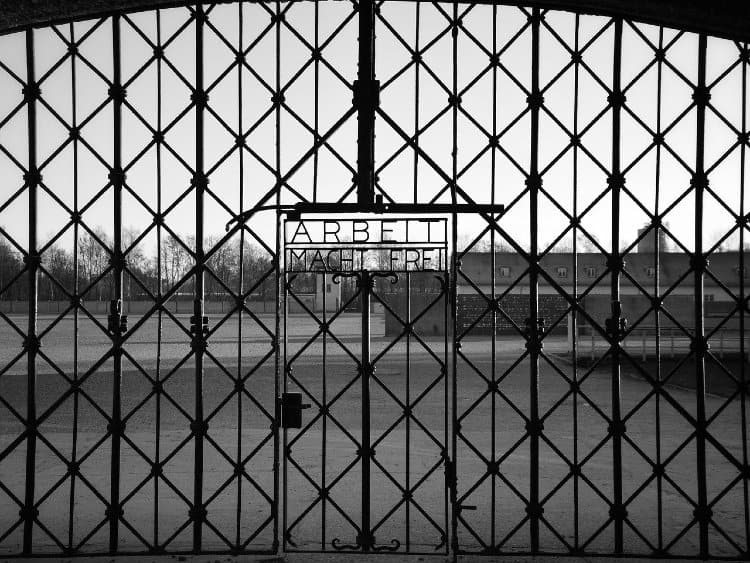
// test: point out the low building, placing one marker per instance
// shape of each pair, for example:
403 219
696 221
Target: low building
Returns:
585 275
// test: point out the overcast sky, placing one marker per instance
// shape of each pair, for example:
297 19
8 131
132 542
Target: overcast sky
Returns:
501 90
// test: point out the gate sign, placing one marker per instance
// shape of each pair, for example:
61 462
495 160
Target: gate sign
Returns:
375 244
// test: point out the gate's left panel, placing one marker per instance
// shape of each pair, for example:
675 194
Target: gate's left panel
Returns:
137 366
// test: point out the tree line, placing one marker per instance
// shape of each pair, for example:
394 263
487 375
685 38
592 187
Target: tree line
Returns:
147 271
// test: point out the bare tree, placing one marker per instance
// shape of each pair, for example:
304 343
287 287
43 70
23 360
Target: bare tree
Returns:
59 263
175 261
93 259
10 265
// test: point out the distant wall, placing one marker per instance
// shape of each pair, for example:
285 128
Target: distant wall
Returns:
680 307
432 323
471 308
181 306
515 306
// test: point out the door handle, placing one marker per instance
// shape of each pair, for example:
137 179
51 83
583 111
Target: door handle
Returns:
290 407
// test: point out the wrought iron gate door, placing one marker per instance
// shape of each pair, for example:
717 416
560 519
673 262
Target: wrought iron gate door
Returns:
595 172
367 353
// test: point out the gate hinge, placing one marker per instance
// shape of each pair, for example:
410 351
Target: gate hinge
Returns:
289 410
199 329
534 331
199 325
365 540
117 323
450 473
366 94
616 324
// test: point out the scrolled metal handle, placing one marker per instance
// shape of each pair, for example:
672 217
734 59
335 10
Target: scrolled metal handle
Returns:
337 545
395 545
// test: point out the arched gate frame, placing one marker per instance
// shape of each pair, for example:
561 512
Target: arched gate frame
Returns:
132 422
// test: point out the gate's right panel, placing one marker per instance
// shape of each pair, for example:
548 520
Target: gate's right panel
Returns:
600 356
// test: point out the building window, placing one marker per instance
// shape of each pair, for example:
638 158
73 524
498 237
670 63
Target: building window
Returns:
708 297
503 272
651 272
562 272
590 272
328 288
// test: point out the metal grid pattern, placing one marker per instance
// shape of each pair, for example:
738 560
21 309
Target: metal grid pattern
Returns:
367 472
589 120
129 98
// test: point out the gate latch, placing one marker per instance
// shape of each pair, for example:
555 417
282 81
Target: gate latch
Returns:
290 410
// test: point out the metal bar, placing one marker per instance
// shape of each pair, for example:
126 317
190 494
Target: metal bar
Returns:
534 183
407 402
456 344
415 199
241 280
657 316
446 405
616 183
159 293
324 391
493 291
365 99
574 315
415 161
115 326
742 312
702 511
285 388
405 208
76 312
324 423
199 342
280 377
31 344
316 97
366 533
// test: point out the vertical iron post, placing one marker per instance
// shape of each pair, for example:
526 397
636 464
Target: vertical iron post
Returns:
116 179
657 316
573 319
742 311
366 539
366 100
199 324
32 179
240 284
281 377
699 345
455 267
160 315
534 344
76 289
616 325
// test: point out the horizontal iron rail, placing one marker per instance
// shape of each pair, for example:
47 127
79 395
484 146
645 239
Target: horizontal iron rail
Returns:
295 211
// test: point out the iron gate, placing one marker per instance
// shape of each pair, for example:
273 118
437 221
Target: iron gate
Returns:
391 482
594 365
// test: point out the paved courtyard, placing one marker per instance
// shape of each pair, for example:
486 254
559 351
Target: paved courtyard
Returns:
408 457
